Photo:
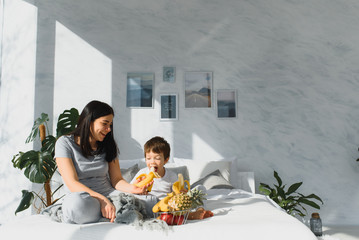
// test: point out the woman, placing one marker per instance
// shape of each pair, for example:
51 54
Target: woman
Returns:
87 161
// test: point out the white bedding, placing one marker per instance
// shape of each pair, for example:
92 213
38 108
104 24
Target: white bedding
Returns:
237 214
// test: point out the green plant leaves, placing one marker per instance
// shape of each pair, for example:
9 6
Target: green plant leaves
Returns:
315 197
39 166
293 188
308 202
35 128
48 145
67 122
264 188
26 201
279 180
291 201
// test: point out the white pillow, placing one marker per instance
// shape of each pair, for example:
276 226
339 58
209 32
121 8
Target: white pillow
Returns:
233 170
213 180
199 169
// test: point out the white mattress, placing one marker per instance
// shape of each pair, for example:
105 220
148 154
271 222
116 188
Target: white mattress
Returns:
237 214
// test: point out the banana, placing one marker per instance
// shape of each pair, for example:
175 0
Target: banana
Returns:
177 187
162 206
148 178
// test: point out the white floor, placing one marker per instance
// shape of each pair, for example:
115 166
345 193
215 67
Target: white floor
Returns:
340 233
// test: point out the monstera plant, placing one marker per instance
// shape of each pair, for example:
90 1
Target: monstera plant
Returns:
290 200
39 165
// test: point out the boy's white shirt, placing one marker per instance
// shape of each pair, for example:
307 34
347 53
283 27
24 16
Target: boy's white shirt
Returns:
161 186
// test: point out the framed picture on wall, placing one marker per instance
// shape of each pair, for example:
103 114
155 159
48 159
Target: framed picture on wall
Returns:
198 89
169 107
140 89
226 103
169 74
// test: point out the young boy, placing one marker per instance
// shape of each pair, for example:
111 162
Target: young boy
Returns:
157 153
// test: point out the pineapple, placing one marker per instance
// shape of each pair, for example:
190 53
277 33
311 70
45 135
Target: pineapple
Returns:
196 197
180 202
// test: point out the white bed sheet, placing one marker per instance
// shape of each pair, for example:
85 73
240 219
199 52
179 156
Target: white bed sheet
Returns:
237 213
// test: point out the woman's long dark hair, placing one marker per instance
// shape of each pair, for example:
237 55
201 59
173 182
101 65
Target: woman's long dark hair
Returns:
92 111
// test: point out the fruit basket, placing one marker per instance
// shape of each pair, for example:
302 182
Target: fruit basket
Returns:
174 217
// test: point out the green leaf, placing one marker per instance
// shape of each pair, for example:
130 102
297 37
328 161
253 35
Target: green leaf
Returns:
279 180
264 190
300 213
35 128
39 166
16 160
48 145
281 193
315 197
265 185
26 201
273 194
308 202
67 122
294 188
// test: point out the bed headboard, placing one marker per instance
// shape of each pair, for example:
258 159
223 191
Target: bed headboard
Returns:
246 181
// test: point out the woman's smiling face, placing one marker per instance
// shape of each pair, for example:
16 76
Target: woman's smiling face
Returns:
101 127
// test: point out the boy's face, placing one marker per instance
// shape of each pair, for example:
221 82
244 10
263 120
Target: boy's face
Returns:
157 161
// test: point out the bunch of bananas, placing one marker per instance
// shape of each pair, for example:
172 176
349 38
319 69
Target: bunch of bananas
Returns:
177 200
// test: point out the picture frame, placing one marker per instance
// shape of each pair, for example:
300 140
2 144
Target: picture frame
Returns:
226 103
140 87
169 107
169 74
198 89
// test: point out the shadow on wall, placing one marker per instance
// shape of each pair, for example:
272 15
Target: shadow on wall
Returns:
84 59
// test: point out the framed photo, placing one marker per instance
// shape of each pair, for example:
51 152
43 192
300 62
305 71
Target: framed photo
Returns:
226 103
169 107
198 89
169 74
140 89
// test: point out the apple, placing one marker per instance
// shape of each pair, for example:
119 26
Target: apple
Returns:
178 220
167 217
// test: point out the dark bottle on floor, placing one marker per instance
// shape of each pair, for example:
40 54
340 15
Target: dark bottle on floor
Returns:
316 224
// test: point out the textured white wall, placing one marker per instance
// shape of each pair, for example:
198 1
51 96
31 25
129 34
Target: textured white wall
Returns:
16 98
294 66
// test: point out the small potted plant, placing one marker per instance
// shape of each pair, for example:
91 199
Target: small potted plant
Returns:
40 166
290 200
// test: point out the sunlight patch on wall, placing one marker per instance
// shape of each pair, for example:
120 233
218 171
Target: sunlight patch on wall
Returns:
18 66
82 72
202 150
145 124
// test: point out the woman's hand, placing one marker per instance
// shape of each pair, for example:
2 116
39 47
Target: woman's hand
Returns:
137 180
141 190
108 210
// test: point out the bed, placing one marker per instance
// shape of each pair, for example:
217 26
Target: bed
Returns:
237 213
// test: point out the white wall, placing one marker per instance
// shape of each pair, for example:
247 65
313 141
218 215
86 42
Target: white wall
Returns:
18 64
294 66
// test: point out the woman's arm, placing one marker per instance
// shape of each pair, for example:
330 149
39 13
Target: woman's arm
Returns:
119 183
69 175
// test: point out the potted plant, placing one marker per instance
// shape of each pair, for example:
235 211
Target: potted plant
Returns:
290 200
39 166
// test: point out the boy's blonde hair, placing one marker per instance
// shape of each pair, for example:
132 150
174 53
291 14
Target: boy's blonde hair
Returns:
158 145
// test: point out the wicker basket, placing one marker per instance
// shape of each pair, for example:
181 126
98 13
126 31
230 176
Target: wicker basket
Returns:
173 218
